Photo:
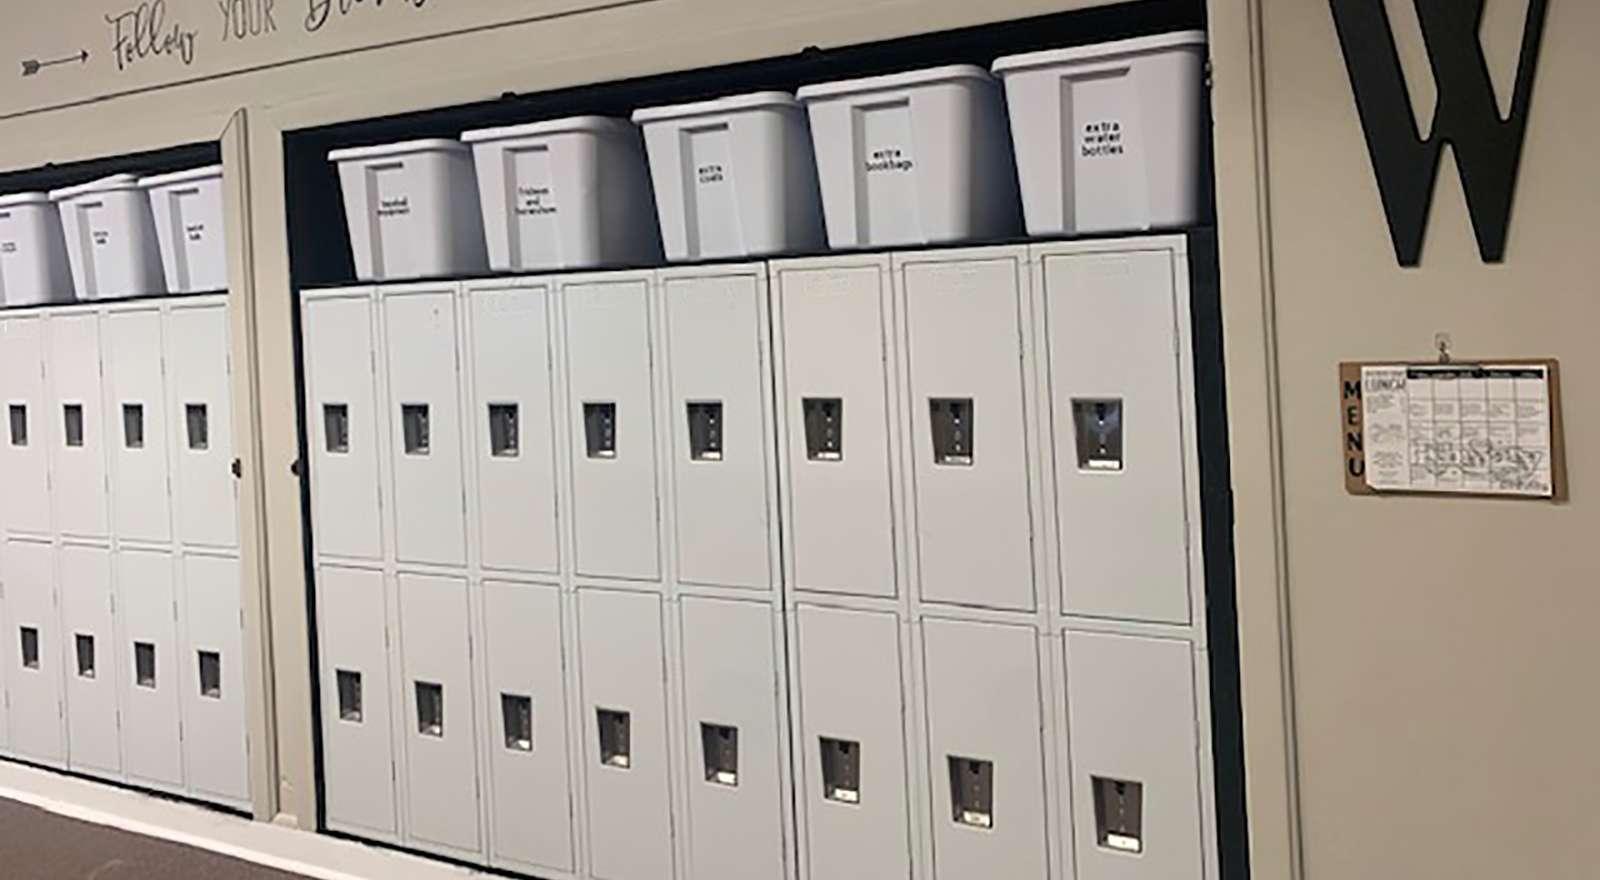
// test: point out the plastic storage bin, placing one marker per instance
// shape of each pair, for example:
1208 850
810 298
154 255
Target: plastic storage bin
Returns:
412 210
914 158
565 194
1108 137
33 253
187 206
734 177
111 238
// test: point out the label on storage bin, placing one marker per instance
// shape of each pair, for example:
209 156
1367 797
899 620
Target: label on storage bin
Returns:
1101 138
393 206
8 247
536 210
1108 186
887 160
195 231
101 237
716 213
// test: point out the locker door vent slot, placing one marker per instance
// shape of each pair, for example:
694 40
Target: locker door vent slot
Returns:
951 420
600 429
144 664
30 648
430 709
972 792
705 431
824 418
1119 814
210 675
198 423
133 425
841 770
1098 426
85 650
517 713
349 684
414 425
616 748
721 747
72 423
336 427
18 417
503 439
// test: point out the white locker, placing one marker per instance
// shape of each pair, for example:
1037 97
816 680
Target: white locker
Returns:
1116 387
137 416
736 827
721 427
152 747
425 426
24 467
33 653
342 421
441 754
963 321
625 708
530 785
612 423
985 750
201 419
89 660
1135 777
513 408
78 466
357 743
853 746
211 668
834 321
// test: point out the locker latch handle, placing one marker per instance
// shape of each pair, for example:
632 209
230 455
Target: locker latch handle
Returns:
705 430
516 713
951 421
616 740
824 420
720 746
430 709
1119 814
600 429
415 428
841 770
972 792
1097 424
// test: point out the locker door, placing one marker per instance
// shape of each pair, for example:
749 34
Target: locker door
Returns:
211 670
441 736
613 428
985 755
974 521
33 653
78 470
201 420
152 748
357 746
721 429
853 752
513 407
530 809
342 424
625 708
25 504
425 427
835 355
137 416
1135 779
89 660
1120 500
736 823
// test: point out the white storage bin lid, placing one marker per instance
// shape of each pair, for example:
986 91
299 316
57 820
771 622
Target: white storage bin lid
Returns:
894 81
568 125
1075 54
105 184
210 172
28 198
731 104
404 148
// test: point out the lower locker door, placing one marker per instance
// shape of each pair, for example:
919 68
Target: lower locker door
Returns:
212 667
152 748
734 740
529 785
33 653
1135 775
440 755
89 661
625 760
852 746
985 751
357 744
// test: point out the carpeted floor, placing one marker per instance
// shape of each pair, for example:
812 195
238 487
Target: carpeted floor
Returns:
36 845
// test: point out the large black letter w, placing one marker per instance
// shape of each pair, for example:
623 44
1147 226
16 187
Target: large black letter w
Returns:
1487 148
